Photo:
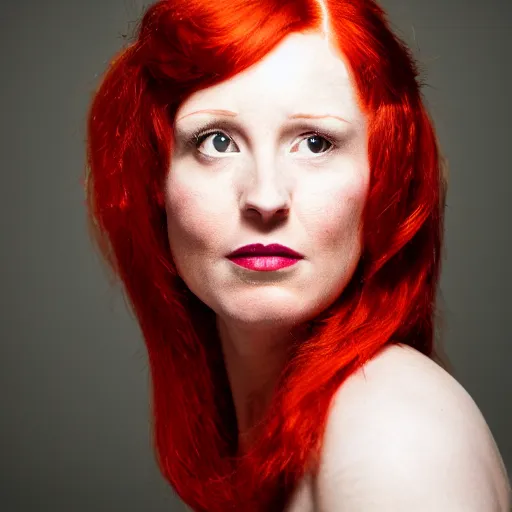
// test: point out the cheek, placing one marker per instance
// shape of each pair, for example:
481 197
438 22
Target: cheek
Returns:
194 216
185 220
335 216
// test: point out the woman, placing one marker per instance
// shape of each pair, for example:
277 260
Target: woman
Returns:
270 192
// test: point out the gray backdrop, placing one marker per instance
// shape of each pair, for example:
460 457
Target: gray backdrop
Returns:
74 376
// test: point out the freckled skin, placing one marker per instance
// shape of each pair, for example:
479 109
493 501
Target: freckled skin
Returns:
214 207
206 202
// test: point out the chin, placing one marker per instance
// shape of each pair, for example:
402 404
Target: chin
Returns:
268 315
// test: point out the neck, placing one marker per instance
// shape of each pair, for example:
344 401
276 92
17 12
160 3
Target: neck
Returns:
254 360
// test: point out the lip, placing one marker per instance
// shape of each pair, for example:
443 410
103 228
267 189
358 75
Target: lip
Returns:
255 250
268 263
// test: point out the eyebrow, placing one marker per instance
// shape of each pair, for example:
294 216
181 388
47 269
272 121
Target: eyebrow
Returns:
293 116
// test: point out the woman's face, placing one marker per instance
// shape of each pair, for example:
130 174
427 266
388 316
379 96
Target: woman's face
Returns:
272 170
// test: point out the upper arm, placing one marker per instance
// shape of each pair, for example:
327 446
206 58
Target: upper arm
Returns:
401 455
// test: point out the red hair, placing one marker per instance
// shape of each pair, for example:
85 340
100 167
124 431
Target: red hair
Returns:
186 45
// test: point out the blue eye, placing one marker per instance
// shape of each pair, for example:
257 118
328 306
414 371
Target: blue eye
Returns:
220 142
316 143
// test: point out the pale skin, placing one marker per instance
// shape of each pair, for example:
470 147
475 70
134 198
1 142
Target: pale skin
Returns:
260 179
404 436
269 186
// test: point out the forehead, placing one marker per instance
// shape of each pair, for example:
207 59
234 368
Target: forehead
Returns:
303 73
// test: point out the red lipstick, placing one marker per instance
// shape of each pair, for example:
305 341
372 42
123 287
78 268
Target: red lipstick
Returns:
265 258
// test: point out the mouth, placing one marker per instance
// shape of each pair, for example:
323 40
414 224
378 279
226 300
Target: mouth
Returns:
264 263
265 258
260 250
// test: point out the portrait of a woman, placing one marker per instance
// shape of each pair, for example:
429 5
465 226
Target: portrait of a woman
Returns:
266 181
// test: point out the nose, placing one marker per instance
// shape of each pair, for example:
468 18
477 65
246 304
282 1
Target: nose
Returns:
265 198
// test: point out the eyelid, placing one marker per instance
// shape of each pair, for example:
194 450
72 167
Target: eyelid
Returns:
225 127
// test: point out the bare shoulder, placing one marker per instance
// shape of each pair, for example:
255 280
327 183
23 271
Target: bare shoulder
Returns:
403 434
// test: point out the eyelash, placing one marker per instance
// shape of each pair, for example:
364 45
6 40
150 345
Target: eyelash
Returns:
198 137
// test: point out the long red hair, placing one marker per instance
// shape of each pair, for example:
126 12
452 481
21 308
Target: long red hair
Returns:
186 45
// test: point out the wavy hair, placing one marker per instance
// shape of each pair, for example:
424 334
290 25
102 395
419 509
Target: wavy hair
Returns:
182 46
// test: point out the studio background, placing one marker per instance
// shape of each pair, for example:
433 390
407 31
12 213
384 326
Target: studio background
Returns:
74 384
